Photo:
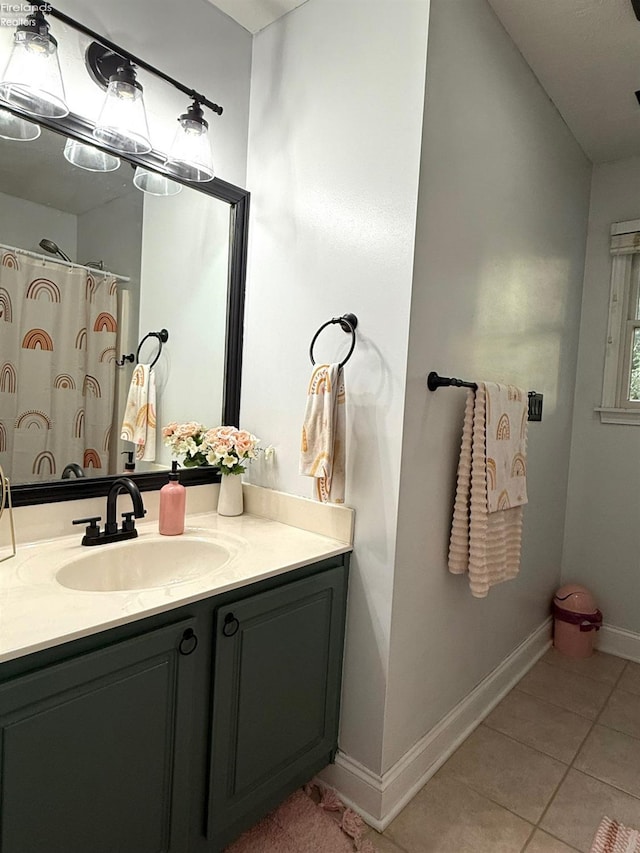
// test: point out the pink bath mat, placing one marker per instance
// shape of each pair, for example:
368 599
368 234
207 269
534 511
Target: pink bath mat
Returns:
311 820
613 837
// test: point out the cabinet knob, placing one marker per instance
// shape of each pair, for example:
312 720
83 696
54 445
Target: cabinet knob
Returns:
188 643
230 625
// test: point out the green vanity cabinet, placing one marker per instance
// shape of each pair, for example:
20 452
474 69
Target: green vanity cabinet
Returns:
95 750
175 732
277 667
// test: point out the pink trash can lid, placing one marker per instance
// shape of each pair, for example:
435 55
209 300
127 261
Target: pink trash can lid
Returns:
575 604
575 599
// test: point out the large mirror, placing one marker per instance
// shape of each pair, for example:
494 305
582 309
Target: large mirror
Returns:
135 264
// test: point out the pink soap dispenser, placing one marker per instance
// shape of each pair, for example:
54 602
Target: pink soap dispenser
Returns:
173 498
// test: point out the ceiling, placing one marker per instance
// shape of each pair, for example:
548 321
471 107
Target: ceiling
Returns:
38 172
255 15
586 54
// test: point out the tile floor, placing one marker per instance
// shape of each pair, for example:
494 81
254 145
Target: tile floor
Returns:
559 752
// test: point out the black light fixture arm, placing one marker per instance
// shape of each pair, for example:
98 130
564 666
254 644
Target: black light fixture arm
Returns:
139 63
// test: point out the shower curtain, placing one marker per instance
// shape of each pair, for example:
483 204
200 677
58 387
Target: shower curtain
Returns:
57 367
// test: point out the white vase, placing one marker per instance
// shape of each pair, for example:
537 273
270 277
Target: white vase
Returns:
230 498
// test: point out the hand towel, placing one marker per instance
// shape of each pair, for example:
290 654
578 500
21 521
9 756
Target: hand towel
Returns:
507 410
486 545
139 422
323 433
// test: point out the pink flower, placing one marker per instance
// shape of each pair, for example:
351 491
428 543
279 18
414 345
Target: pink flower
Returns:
244 446
225 431
189 430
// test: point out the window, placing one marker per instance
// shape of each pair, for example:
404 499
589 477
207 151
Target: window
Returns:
621 386
631 344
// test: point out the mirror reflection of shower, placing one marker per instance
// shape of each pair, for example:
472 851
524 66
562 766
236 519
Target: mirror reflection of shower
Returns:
54 249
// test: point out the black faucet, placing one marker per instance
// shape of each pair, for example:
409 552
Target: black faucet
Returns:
123 484
111 533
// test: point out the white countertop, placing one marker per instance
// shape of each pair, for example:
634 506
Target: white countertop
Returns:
36 612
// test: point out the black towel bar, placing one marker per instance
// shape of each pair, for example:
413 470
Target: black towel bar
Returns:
162 336
348 323
434 382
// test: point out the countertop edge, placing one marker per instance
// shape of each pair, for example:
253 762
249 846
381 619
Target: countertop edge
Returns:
272 548
118 622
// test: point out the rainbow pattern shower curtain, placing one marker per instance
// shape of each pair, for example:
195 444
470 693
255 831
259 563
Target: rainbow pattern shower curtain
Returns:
57 367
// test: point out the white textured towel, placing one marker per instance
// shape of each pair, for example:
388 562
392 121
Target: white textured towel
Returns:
615 837
139 422
322 454
486 545
507 409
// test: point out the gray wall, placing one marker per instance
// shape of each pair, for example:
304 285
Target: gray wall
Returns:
602 541
334 149
502 214
24 223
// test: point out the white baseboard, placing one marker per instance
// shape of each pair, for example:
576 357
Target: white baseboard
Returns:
380 798
618 641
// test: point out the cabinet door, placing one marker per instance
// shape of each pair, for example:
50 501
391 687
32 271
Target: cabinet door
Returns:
278 663
94 751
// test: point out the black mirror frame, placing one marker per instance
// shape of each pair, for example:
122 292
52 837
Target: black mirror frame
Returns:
27 494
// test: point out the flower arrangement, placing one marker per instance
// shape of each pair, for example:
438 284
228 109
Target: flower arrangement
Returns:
224 447
187 438
228 448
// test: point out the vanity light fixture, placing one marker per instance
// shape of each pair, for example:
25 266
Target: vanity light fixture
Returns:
122 123
32 86
190 154
32 81
89 157
14 127
154 183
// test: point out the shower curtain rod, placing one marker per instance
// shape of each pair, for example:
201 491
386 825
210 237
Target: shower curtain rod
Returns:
54 260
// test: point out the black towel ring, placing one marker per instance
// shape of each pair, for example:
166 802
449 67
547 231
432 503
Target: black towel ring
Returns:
162 336
348 323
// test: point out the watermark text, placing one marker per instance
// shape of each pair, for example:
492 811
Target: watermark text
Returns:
16 14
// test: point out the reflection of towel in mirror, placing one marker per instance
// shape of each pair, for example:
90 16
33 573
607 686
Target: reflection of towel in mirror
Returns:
323 433
139 422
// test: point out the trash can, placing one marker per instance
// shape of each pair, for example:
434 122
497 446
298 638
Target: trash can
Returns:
576 619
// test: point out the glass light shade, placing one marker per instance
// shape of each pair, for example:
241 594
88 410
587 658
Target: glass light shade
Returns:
190 154
32 81
155 184
122 123
12 127
90 158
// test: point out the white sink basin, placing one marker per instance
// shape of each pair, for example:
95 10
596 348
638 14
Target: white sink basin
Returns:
142 564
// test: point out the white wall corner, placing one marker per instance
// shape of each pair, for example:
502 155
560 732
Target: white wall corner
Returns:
618 641
379 799
333 520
